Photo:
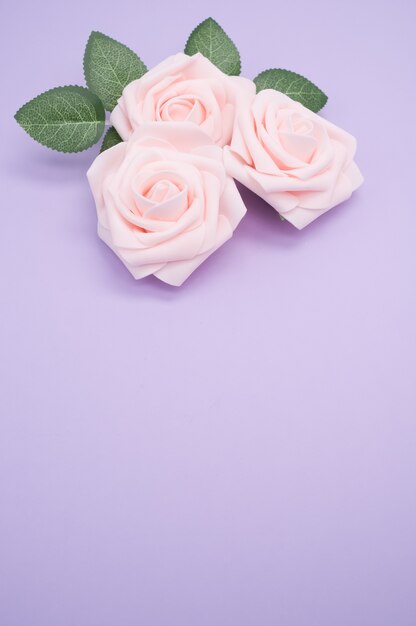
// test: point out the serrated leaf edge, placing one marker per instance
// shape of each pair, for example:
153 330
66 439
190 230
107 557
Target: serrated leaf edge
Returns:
87 53
219 25
297 74
102 149
79 88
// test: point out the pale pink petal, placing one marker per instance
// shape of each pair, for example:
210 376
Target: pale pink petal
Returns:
177 272
164 200
297 161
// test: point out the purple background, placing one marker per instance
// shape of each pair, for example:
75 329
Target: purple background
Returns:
239 451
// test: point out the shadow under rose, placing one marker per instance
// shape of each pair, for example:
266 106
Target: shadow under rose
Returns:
263 224
117 277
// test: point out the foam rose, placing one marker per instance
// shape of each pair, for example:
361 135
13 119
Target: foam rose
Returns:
164 201
183 88
294 159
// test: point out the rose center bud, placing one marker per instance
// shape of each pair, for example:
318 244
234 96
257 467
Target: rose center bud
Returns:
162 190
183 109
162 198
296 135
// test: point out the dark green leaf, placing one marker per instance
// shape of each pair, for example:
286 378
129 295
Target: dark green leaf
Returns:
212 41
293 85
109 66
68 119
111 138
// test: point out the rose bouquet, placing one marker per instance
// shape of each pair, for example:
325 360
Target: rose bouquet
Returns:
179 135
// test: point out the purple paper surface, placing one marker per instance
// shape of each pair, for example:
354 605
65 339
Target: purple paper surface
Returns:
239 451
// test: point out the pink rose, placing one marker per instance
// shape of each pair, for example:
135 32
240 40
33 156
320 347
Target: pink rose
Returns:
183 88
164 201
297 161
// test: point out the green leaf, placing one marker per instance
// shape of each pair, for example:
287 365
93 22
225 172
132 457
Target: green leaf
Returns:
109 66
293 85
212 41
111 138
68 119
